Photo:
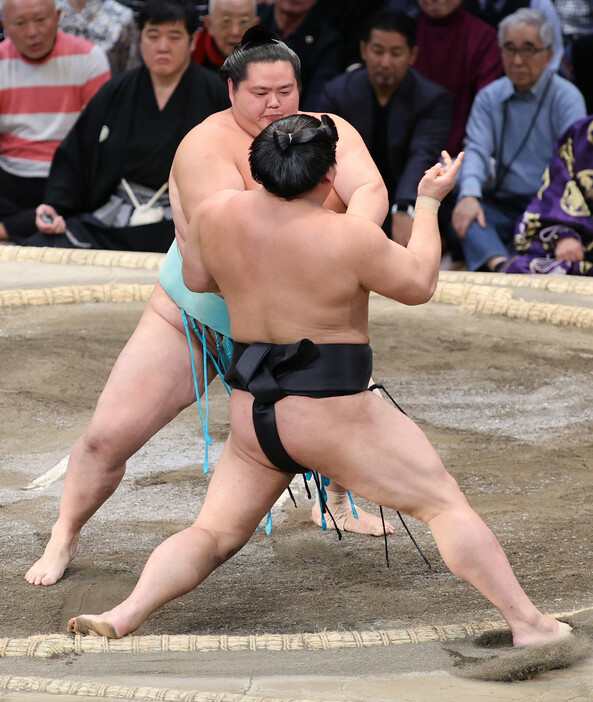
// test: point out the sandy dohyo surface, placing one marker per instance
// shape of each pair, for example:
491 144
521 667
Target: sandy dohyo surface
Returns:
507 404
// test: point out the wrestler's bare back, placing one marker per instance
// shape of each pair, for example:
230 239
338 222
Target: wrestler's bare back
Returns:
287 269
291 270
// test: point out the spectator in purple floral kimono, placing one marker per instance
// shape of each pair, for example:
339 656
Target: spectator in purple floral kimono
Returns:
555 233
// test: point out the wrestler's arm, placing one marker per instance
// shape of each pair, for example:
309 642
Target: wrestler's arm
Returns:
408 275
191 182
195 275
201 237
358 182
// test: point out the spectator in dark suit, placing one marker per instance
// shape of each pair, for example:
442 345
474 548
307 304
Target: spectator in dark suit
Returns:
349 18
319 47
403 117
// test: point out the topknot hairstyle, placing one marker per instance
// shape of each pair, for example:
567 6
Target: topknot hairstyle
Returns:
292 155
259 45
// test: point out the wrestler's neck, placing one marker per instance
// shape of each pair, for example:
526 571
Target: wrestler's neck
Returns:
312 198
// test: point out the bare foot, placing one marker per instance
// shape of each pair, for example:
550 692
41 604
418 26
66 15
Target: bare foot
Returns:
97 624
549 630
60 550
339 505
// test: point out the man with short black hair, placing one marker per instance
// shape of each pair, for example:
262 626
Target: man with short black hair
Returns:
108 185
404 118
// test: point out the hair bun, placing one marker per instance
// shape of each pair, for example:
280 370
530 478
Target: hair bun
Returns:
282 140
258 35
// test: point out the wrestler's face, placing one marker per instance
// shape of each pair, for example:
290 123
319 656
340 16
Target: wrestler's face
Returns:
437 9
227 23
268 92
387 57
166 48
32 25
524 56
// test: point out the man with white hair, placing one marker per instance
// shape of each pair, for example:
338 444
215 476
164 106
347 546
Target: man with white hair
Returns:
515 121
46 78
224 26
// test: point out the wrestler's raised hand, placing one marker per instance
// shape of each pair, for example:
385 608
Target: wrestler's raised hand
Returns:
440 179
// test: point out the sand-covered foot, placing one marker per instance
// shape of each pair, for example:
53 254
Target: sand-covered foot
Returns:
525 661
98 625
564 631
550 631
51 566
339 505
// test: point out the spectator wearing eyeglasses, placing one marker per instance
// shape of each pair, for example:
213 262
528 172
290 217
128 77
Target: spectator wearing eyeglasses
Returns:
510 137
494 11
224 26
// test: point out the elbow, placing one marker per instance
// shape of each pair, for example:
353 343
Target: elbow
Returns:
420 292
383 197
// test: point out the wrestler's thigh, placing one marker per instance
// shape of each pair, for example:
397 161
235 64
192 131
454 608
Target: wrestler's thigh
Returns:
369 446
151 381
240 493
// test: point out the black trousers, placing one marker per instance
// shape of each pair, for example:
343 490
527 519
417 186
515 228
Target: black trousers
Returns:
18 199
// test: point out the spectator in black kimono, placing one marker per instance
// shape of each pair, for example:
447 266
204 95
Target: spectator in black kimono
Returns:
107 186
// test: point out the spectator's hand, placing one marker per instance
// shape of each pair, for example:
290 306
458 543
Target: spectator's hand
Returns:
57 225
465 212
570 250
440 179
401 228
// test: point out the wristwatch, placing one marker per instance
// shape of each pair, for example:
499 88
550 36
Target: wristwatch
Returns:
403 208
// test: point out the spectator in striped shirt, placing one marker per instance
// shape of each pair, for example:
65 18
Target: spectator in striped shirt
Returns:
46 78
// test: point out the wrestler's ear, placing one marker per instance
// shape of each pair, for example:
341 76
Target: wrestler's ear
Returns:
231 88
330 176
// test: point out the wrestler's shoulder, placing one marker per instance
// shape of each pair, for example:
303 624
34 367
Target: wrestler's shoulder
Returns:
218 205
218 127
340 122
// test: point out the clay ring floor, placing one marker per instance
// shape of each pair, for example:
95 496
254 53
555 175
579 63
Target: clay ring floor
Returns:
497 370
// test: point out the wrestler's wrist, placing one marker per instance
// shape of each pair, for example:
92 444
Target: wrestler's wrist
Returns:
425 202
